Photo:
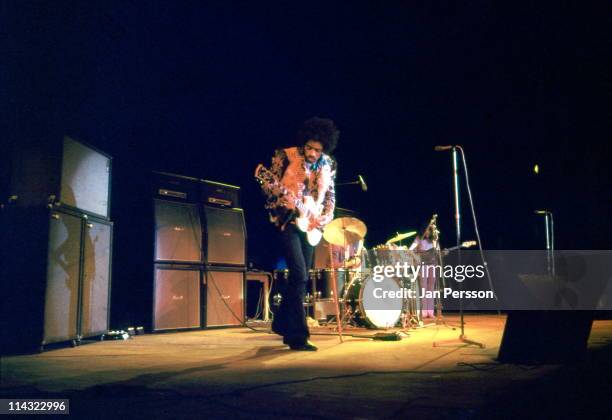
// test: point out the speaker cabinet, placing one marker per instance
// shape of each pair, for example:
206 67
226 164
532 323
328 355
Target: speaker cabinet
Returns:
225 236
96 278
63 272
65 171
56 276
178 232
224 298
85 178
176 297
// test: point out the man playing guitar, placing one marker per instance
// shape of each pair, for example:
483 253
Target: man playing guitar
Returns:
299 187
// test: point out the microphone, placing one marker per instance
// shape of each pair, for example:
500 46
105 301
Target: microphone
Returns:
364 186
442 148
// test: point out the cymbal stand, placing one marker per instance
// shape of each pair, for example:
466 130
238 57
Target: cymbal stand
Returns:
335 292
410 312
347 315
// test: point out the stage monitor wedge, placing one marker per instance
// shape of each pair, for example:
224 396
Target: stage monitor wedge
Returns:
534 337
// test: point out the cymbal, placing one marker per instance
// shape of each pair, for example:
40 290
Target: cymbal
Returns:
344 230
401 237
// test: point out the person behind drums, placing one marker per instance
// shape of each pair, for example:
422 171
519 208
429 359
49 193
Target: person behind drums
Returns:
349 258
305 170
424 246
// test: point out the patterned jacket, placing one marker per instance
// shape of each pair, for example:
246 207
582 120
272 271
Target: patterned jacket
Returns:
316 180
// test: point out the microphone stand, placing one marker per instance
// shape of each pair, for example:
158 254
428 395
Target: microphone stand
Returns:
462 337
550 240
548 259
339 184
360 181
552 243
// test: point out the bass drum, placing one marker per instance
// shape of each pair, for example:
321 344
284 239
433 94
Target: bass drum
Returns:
369 305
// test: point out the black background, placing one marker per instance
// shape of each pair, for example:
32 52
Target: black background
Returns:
210 89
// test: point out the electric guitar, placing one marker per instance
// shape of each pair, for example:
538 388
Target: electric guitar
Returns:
308 210
429 255
466 244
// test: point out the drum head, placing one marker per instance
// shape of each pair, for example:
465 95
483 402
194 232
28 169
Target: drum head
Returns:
381 312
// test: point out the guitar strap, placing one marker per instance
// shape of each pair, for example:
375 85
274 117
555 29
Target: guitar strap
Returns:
295 178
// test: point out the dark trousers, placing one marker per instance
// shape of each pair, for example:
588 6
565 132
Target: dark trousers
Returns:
290 320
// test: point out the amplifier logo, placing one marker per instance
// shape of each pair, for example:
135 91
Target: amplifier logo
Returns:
220 201
171 193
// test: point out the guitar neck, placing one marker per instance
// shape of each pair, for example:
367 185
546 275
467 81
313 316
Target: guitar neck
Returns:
463 245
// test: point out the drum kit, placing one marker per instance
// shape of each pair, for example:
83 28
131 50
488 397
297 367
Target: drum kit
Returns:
347 296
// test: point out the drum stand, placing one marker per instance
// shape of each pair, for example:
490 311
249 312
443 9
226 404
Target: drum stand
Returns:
348 316
338 232
410 313
335 291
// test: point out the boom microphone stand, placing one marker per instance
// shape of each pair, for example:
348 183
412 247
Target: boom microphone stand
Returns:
462 337
360 181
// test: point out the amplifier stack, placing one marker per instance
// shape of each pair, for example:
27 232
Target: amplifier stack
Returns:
56 244
199 254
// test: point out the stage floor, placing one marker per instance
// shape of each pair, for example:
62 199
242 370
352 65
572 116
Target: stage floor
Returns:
239 373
